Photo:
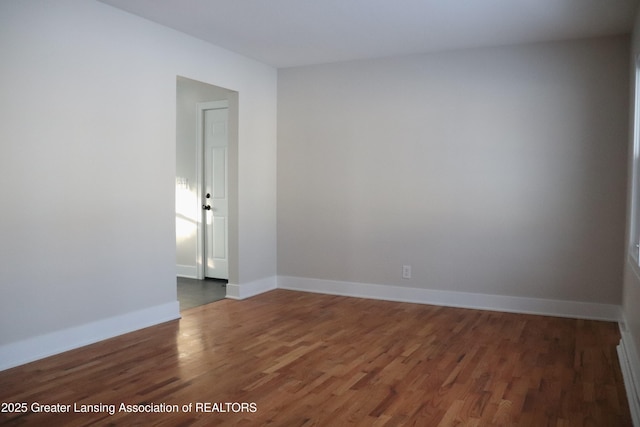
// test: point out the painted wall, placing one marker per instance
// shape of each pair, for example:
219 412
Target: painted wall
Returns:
497 171
88 161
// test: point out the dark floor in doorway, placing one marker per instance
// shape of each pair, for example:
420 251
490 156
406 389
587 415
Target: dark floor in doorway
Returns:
193 293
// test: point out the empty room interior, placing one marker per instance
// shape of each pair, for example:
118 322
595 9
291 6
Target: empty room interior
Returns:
418 213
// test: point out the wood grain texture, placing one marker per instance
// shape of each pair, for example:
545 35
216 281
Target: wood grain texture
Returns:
316 360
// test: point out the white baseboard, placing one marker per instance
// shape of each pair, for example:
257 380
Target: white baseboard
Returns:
630 366
31 349
250 289
188 271
571 309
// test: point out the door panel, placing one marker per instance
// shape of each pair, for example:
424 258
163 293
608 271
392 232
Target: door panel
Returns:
216 187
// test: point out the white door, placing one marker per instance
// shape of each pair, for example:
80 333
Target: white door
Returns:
215 197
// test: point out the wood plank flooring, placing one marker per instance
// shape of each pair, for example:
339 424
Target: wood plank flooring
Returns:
299 359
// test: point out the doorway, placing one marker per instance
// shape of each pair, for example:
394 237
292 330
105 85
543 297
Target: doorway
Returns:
206 227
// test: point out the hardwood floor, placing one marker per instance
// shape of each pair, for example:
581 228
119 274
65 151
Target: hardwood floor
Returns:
298 359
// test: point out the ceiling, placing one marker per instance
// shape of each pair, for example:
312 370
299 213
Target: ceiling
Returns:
286 33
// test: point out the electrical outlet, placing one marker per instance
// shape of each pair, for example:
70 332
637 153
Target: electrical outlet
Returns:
406 272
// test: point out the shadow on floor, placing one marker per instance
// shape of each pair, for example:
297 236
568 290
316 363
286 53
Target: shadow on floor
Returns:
193 293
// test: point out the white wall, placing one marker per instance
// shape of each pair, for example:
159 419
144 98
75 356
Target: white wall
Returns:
87 156
492 171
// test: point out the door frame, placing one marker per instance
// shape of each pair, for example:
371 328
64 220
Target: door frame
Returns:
201 107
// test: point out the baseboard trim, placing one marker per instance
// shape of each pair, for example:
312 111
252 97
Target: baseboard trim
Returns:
251 289
571 309
630 367
188 271
29 350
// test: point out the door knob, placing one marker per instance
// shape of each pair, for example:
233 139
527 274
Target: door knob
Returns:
206 207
